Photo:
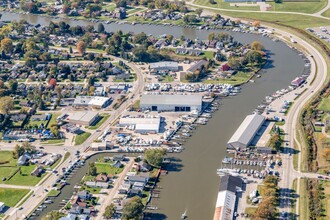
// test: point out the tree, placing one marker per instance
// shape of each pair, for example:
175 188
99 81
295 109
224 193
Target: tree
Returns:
28 147
66 9
154 156
270 181
278 1
81 47
199 11
256 45
234 63
12 85
52 82
256 24
7 45
70 50
18 151
92 171
326 153
100 28
253 57
53 215
212 2
133 209
109 211
55 131
275 141
6 104
266 209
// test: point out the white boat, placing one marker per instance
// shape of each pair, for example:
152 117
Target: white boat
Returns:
184 215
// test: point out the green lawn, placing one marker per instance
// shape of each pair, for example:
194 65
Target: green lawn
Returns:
303 200
91 190
54 193
24 178
226 5
81 138
54 141
326 13
104 117
237 79
324 104
208 54
12 196
6 158
107 168
53 119
6 172
304 7
299 21
166 78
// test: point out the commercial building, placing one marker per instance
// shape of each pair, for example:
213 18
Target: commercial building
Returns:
298 81
82 118
177 103
226 200
141 125
105 145
91 101
164 66
197 66
246 131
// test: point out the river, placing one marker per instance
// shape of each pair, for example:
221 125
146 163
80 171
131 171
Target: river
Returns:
192 184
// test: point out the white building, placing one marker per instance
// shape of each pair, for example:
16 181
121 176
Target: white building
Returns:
91 101
142 125
99 146
178 103
226 200
164 66
246 131
82 118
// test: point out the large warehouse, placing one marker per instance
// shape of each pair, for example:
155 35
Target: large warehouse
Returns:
142 125
82 118
246 131
164 66
177 103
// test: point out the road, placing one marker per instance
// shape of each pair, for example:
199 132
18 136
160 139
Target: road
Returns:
114 190
39 192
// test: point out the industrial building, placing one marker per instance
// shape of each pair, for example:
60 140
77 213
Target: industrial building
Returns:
246 131
82 118
226 200
91 101
177 103
142 125
164 66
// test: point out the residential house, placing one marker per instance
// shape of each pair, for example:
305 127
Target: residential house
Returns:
120 13
118 157
38 171
144 166
102 185
117 164
85 195
141 178
102 178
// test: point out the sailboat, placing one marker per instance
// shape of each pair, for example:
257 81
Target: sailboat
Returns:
184 215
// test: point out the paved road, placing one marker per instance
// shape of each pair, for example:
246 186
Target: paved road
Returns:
319 13
247 11
114 190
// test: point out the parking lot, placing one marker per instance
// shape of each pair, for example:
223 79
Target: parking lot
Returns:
321 32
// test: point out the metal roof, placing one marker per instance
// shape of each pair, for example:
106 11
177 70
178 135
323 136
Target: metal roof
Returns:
163 65
179 100
246 131
230 183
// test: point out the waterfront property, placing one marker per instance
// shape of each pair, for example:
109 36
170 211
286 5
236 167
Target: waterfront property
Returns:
226 200
246 131
177 103
141 125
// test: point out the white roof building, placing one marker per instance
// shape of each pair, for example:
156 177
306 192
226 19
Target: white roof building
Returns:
171 102
2 206
91 101
141 125
82 118
164 66
246 131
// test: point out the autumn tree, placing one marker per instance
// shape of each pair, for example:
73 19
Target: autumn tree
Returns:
256 45
92 171
199 11
266 209
6 104
81 47
52 82
7 45
256 24
18 151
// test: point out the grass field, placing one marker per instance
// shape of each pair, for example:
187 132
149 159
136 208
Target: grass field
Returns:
324 104
81 138
12 196
236 79
53 119
303 7
104 117
166 79
55 141
107 168
326 186
303 201
326 13
7 156
54 193
24 178
226 5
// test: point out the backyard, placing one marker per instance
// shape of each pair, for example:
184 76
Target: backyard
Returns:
107 168
12 196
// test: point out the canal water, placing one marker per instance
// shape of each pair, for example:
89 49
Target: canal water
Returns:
192 183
